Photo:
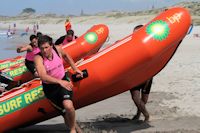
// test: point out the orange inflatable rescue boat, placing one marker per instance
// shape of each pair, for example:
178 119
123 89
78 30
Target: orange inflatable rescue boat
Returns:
114 70
87 44
6 63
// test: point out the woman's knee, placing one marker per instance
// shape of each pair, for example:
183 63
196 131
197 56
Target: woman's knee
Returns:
68 105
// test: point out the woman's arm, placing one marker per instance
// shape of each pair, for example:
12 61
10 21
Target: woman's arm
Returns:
47 78
68 59
24 48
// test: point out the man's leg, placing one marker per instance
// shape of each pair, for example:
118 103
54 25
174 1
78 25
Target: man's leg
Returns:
78 129
140 105
69 115
135 94
144 111
144 100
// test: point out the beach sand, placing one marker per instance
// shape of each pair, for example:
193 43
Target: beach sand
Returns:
174 100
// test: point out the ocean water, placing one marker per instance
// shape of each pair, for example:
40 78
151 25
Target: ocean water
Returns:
8 45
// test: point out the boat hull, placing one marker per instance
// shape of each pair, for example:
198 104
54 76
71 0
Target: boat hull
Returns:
114 70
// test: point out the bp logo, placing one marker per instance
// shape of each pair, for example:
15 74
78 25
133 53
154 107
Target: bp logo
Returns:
91 37
159 30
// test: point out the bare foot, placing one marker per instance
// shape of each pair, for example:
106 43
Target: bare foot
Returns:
136 117
146 119
78 129
73 131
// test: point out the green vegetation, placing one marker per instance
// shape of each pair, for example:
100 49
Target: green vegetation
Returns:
28 10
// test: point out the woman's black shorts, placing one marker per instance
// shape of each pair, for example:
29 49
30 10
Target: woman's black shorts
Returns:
144 87
30 66
56 94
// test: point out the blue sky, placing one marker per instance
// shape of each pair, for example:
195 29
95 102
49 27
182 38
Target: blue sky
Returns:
66 7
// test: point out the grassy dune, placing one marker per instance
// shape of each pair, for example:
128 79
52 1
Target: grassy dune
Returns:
193 7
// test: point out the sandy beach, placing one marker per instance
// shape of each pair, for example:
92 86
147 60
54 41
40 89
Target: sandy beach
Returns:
174 99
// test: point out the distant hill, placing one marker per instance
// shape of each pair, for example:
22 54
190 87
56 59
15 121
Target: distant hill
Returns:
193 7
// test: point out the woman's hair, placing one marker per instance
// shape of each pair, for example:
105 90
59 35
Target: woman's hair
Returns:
70 32
137 27
45 39
32 37
39 34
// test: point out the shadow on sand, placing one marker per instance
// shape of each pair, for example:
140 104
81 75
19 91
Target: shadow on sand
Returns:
113 124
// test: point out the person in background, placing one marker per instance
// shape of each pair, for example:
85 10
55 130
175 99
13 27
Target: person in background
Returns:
14 25
9 34
64 40
14 28
27 30
68 25
34 29
37 26
32 49
140 94
9 28
56 85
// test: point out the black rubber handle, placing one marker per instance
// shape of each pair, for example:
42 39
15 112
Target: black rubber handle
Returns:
75 78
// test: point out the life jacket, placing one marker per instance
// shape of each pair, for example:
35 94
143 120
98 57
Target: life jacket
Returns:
30 55
68 26
55 66
65 41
